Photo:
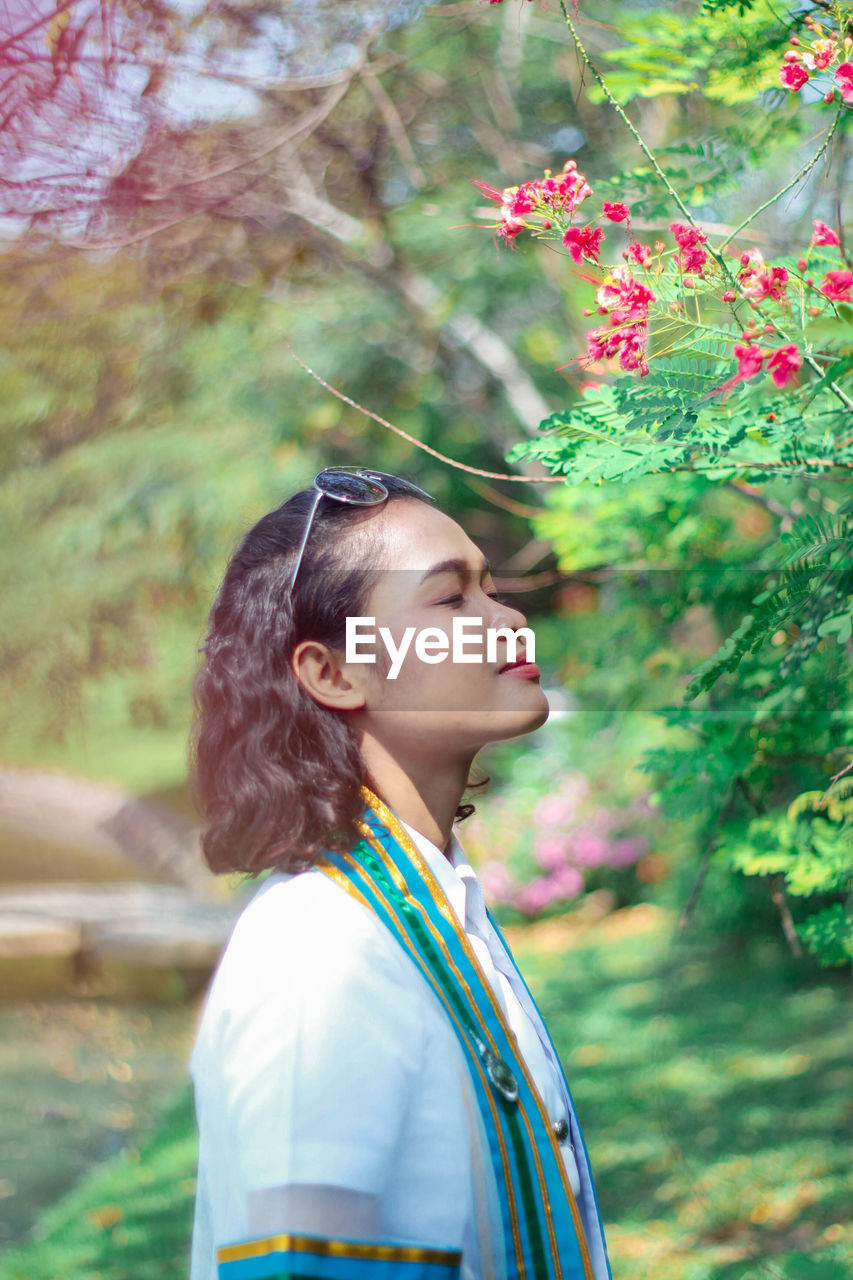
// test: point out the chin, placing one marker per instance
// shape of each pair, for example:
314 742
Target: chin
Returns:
515 724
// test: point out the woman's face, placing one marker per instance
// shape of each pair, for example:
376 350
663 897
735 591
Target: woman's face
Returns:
431 574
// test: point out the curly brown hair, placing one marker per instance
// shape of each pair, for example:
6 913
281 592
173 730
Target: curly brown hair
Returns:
277 777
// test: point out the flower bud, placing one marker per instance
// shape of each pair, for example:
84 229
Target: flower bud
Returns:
659 246
829 96
795 39
771 417
749 334
801 264
768 328
587 311
546 225
810 281
791 55
729 295
814 311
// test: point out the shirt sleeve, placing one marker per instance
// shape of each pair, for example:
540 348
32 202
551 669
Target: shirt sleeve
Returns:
312 1042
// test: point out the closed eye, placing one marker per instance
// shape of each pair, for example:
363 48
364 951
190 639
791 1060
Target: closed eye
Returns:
458 599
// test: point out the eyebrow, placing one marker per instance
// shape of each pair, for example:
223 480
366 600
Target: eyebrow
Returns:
455 566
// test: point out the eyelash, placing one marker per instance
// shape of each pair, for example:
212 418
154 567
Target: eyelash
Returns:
460 599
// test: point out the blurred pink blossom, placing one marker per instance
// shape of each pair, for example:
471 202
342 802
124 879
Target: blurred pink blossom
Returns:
552 852
498 884
569 881
554 810
536 896
624 852
591 849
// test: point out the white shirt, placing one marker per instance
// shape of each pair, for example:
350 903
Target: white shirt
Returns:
326 1069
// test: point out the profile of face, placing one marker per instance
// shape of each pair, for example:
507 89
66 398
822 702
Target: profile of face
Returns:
430 573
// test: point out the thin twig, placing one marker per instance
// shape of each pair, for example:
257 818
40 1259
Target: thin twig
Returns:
383 422
848 768
705 864
797 177
755 495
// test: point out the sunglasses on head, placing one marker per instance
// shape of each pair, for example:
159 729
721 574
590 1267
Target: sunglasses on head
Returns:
354 486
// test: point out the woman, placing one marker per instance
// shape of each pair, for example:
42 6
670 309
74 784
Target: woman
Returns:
376 1093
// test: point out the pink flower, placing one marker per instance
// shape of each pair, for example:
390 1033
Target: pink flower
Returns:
793 76
625 297
691 256
551 852
823 234
537 895
821 54
568 192
498 884
844 80
515 202
553 810
837 285
624 852
758 281
584 242
783 365
749 360
568 882
639 253
626 333
617 212
590 849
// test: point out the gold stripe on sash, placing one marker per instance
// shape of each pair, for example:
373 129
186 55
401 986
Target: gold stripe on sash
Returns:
345 883
350 1249
437 893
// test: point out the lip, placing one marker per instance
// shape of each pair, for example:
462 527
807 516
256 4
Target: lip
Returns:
523 669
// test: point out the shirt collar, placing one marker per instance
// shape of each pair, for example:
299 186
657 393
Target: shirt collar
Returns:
447 868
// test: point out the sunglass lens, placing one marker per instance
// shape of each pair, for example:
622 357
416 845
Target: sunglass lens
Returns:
351 488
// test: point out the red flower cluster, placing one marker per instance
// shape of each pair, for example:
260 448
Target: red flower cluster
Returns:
823 234
801 61
758 281
584 242
544 198
640 254
616 212
549 204
782 364
691 257
837 285
626 302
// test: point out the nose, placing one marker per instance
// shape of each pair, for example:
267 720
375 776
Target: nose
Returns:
506 615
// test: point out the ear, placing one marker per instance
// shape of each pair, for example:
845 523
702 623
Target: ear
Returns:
320 671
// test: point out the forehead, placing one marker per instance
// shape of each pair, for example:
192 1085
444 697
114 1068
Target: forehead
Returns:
414 535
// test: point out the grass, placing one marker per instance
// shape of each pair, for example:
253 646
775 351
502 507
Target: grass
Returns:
714 1086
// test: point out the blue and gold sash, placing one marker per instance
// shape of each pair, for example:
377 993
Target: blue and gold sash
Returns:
544 1234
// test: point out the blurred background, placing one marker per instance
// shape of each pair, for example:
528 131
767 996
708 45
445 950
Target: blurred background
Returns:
190 190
